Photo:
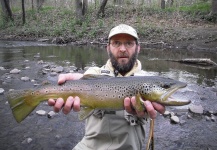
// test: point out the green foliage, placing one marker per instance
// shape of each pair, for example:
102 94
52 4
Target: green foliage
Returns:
61 21
202 7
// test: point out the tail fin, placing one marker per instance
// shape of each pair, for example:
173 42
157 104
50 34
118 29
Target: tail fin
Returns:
21 103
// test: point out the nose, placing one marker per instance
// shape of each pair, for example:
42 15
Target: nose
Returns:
122 48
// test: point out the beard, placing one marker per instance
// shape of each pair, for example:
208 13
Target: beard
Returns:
125 67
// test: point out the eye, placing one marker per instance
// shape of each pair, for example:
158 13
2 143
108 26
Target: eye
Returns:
116 43
166 85
129 43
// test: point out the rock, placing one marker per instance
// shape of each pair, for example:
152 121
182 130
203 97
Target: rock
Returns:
11 90
15 71
43 40
27 67
27 140
44 71
1 91
57 69
74 68
51 114
40 62
58 136
53 73
175 119
25 78
46 66
33 81
2 68
166 113
182 122
41 112
36 84
213 118
172 114
207 118
37 55
189 116
197 109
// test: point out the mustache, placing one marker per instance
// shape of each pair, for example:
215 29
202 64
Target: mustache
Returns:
123 55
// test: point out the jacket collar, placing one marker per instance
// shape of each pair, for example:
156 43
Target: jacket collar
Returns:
137 67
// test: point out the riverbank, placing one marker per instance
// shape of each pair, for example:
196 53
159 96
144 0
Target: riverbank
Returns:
26 67
156 28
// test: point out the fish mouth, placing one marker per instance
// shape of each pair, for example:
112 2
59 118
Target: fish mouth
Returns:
169 101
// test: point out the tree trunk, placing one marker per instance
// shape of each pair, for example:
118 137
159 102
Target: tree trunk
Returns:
23 11
6 10
214 7
78 6
32 5
81 9
102 9
39 4
163 4
171 3
84 7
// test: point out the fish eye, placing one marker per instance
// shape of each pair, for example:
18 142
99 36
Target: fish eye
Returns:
166 85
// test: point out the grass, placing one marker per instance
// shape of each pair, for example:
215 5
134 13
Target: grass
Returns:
54 22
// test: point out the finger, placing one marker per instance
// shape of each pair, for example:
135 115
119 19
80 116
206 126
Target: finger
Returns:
51 102
61 78
127 105
68 105
139 113
76 105
160 108
150 109
58 105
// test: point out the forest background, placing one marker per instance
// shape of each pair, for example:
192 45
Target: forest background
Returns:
70 21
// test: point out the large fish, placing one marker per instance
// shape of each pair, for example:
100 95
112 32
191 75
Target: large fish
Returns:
98 92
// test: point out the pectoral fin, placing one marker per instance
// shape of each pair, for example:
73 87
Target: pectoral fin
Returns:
139 103
85 112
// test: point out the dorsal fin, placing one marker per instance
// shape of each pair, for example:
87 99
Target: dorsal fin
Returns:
94 76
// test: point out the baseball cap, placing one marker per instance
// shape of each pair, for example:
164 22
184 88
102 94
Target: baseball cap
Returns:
123 28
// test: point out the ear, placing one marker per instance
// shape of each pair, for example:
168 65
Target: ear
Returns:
138 48
107 48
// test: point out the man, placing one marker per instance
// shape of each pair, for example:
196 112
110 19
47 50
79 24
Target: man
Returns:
123 130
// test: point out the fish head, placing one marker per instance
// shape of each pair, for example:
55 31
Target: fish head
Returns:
160 91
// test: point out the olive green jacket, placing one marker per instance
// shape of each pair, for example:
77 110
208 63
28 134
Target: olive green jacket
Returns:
113 130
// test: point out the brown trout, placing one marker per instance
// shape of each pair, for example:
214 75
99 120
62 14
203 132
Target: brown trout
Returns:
103 93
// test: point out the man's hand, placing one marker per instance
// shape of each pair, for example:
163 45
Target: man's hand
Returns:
71 102
151 108
74 102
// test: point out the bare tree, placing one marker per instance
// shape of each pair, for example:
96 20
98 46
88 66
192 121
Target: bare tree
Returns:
214 7
39 4
171 3
102 9
118 2
81 9
6 10
32 4
23 11
163 4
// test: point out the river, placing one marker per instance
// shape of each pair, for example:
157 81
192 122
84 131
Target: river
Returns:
64 131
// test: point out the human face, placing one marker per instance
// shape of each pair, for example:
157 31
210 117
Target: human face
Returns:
123 57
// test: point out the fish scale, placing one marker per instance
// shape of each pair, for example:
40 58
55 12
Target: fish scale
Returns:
98 92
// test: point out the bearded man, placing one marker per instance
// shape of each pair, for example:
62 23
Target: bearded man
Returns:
113 130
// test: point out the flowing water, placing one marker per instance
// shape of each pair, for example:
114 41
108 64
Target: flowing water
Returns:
58 133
